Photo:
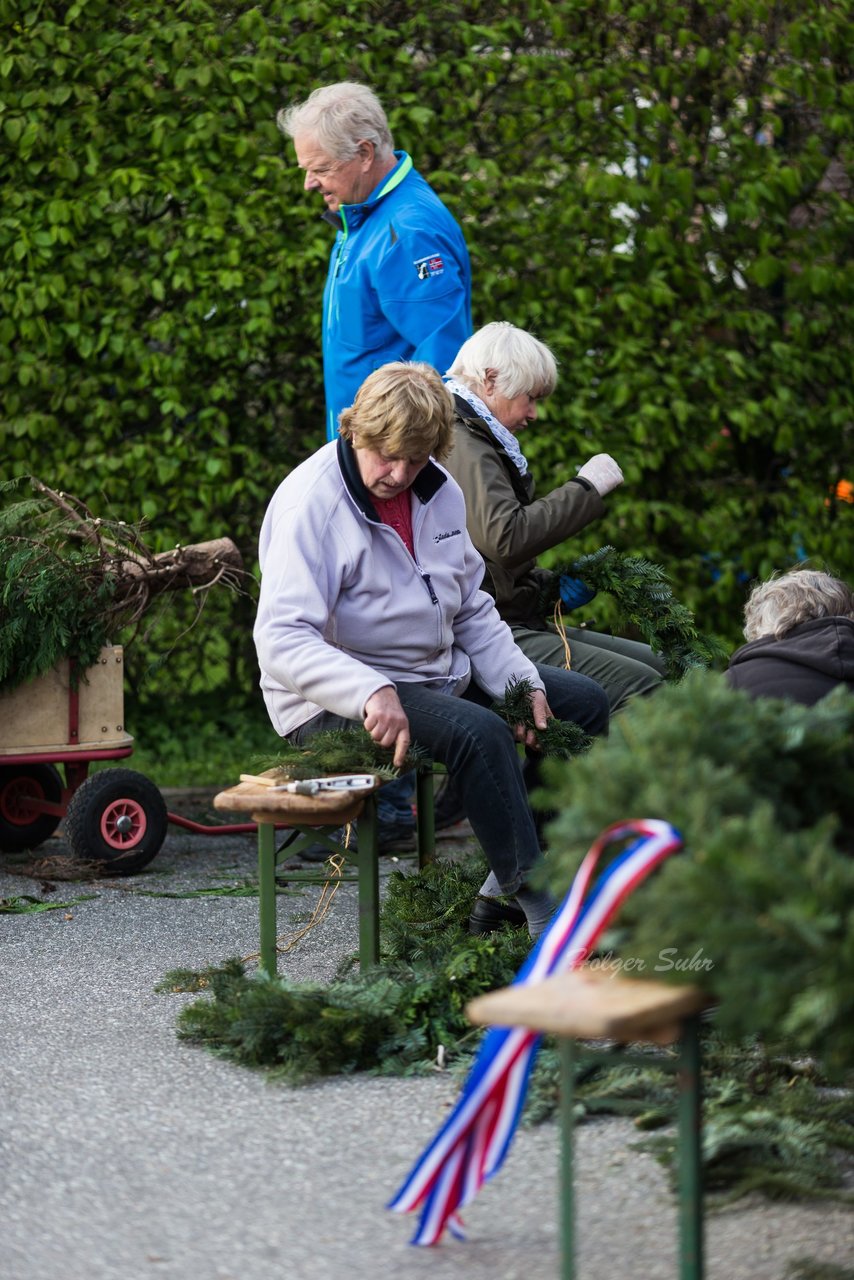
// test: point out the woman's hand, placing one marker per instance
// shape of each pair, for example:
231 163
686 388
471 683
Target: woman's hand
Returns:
542 714
602 472
386 722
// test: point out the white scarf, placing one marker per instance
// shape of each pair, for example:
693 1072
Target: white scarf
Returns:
502 435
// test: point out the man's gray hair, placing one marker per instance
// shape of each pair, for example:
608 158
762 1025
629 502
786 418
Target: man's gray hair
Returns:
525 366
338 117
774 607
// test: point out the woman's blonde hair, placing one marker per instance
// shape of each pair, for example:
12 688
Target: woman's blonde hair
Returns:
403 410
774 607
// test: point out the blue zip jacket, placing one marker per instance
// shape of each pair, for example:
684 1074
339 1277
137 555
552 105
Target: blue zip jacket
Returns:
398 288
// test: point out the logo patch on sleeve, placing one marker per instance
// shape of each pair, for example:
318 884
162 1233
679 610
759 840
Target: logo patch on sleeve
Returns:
431 265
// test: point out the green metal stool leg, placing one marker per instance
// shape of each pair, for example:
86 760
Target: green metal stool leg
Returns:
267 895
567 1192
691 1262
425 815
369 885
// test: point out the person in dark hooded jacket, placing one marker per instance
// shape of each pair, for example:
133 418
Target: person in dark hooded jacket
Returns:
799 628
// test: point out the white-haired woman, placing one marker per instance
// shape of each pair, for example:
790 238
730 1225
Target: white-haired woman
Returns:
799 628
371 613
498 377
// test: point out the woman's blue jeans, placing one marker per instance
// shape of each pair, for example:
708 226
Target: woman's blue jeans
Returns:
479 751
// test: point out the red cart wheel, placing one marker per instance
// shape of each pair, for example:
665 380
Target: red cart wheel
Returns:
117 817
22 786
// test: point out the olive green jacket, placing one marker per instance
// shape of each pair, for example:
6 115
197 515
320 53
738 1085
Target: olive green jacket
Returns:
507 524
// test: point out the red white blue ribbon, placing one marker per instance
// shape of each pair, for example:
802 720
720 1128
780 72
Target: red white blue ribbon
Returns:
472 1144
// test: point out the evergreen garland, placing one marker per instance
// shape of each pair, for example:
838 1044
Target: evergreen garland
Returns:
645 599
810 1269
762 792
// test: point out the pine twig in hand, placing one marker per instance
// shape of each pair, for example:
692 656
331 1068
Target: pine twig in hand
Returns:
561 739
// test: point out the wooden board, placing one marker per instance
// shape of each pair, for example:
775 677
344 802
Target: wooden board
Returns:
592 1004
330 808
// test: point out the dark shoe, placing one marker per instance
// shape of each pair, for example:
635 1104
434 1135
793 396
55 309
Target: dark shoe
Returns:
489 914
317 851
396 839
448 806
391 839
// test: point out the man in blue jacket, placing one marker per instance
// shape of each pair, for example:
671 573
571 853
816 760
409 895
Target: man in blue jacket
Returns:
399 281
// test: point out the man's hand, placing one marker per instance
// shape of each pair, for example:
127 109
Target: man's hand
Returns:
542 714
386 722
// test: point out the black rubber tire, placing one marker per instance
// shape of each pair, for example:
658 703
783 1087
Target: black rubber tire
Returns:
18 830
116 817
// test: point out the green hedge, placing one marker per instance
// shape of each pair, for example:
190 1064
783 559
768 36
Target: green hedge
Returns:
657 191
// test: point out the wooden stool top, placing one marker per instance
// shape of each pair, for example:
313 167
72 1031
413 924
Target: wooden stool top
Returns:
592 1004
326 809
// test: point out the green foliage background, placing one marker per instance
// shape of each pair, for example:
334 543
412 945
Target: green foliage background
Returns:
657 191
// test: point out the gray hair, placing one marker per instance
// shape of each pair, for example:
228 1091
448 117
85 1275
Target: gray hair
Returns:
774 607
338 117
524 364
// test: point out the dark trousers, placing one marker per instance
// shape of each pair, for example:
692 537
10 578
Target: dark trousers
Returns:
481 754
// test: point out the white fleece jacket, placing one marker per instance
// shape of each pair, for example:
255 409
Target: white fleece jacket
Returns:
344 610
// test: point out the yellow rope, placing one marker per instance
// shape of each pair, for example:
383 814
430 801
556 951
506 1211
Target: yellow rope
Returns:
321 910
336 863
560 628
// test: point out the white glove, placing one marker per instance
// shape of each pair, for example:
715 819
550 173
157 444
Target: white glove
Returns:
602 472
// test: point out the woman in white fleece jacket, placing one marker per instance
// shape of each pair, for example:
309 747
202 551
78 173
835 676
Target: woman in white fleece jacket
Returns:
371 613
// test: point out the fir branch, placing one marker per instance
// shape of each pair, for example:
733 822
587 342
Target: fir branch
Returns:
71 583
561 739
644 596
780 1140
339 751
25 904
50 608
354 751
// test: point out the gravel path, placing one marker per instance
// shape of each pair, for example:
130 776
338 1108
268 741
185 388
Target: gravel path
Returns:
126 1154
